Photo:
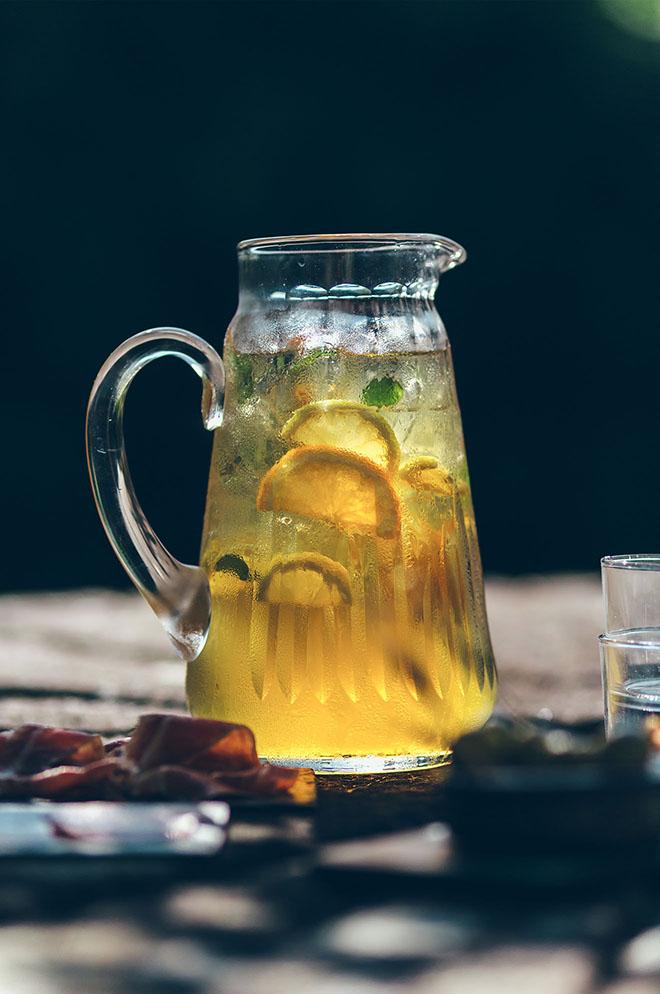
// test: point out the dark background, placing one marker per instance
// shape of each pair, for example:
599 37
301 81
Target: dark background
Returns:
140 141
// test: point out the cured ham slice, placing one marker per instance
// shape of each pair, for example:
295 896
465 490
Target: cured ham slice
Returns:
199 743
168 757
32 748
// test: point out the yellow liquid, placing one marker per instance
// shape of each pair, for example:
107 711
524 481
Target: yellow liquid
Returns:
393 678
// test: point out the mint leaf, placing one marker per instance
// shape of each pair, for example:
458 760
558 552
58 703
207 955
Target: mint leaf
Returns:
289 360
310 358
243 372
232 563
382 393
283 360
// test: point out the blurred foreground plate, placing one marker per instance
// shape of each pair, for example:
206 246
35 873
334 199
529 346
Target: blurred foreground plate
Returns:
428 861
110 829
586 811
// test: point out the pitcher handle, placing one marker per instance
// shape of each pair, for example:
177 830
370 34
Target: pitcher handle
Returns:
179 594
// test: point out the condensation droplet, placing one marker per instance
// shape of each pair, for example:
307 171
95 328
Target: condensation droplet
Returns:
349 290
278 298
388 289
306 291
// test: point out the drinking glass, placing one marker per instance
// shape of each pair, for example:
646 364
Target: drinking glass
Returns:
631 592
630 649
630 665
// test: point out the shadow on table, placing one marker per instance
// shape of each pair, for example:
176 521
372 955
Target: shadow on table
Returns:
348 806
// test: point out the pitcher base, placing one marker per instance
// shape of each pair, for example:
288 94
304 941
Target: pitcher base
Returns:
364 764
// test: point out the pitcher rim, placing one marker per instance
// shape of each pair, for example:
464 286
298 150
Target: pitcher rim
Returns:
354 242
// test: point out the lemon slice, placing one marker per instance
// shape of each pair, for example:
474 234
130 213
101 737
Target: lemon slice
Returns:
344 489
344 424
305 579
426 473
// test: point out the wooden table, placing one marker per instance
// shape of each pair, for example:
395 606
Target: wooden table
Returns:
342 899
96 659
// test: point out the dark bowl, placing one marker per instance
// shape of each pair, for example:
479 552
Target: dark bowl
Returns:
531 810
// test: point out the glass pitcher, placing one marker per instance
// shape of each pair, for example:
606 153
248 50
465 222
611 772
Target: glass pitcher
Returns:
338 607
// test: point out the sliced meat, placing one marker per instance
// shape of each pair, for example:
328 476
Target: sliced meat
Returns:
199 743
32 748
104 779
168 757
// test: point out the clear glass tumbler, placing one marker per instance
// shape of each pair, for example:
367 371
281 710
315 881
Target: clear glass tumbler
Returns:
631 592
630 664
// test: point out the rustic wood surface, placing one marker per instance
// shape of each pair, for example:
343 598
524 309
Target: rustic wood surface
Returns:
291 907
96 659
